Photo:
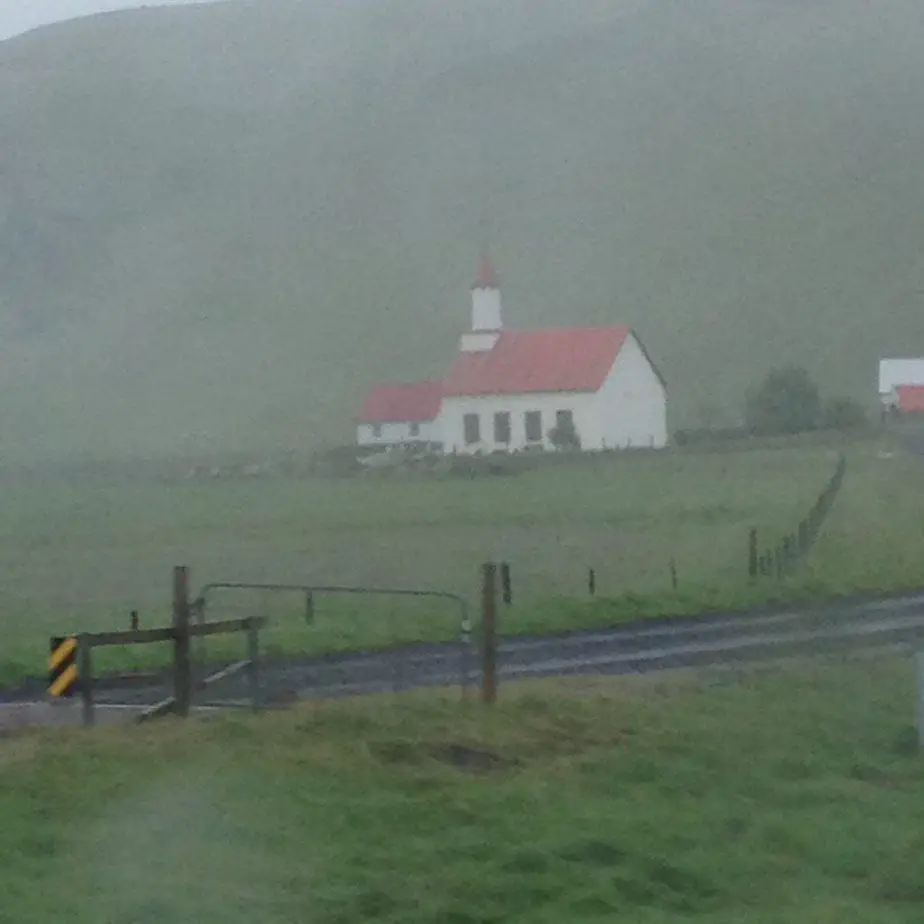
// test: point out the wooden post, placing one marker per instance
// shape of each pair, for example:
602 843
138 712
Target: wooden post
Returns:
591 581
506 589
85 678
752 554
134 620
253 665
182 668
489 632
198 607
673 567
919 697
309 607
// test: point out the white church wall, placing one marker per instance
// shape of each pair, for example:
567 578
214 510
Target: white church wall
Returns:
630 409
546 405
388 434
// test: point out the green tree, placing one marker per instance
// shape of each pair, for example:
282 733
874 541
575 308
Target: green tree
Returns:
786 401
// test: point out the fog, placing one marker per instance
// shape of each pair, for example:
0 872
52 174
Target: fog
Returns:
220 224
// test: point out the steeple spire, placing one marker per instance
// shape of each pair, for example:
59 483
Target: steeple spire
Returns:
487 276
486 309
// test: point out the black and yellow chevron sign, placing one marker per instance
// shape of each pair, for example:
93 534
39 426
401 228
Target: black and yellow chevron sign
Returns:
62 666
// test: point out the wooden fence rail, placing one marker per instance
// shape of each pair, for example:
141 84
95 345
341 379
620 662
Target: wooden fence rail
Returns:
180 634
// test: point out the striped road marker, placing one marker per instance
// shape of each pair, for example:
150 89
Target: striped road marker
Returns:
62 666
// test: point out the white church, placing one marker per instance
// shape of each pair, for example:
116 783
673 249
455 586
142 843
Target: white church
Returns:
508 390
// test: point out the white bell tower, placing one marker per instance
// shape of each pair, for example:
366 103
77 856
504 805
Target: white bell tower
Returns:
486 310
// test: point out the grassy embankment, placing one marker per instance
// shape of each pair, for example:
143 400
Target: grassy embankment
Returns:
792 795
81 559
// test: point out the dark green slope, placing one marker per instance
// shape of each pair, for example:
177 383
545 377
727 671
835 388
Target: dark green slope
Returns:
219 224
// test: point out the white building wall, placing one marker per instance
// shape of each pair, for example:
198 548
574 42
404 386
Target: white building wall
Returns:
387 434
894 372
453 412
630 409
486 309
478 341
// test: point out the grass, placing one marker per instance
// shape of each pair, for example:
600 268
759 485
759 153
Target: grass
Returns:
81 559
790 794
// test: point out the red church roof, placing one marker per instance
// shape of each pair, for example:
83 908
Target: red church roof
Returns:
401 402
911 398
562 359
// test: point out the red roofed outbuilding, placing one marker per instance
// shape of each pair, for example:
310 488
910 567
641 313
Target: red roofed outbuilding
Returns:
509 390
910 399
399 412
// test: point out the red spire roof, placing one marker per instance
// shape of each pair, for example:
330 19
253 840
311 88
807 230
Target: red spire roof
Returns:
487 277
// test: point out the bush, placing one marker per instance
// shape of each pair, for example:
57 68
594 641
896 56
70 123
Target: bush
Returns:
787 401
565 436
844 414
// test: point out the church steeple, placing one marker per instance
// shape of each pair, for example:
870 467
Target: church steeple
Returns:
486 298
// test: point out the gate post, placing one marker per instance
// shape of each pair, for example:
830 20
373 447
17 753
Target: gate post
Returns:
919 696
505 583
489 632
182 670
752 555
85 678
253 664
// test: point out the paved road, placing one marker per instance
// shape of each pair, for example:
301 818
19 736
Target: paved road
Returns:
631 648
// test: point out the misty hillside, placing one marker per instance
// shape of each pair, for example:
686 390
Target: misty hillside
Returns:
219 224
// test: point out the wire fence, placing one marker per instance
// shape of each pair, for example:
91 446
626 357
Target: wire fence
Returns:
790 551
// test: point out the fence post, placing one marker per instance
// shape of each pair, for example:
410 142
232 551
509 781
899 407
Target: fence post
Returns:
489 632
465 660
752 554
134 620
919 691
182 671
591 581
506 589
673 567
253 664
85 678
309 607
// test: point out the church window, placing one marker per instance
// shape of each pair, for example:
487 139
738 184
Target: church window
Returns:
502 427
472 426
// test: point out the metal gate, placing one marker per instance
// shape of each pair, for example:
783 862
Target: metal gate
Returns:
298 674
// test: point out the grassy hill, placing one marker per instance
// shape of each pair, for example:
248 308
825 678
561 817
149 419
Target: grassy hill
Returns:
219 224
790 794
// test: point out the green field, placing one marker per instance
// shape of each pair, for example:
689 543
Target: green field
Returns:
787 795
81 559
